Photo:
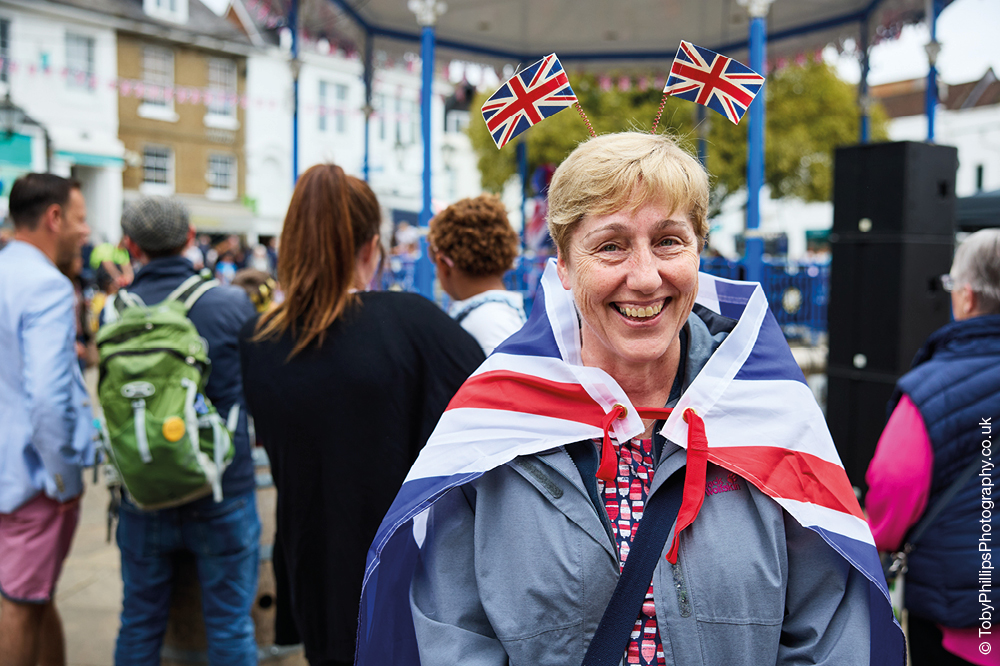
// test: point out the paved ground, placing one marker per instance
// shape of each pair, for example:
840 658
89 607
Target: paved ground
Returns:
89 595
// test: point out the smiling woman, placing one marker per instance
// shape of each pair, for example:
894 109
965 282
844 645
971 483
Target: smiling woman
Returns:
526 564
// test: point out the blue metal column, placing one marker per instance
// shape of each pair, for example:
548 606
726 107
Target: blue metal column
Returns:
369 73
293 24
755 159
933 48
864 99
522 170
427 12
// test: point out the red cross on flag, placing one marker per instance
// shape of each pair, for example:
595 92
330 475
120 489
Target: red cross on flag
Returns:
707 78
528 97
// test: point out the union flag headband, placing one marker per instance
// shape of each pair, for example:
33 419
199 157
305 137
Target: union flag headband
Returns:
543 90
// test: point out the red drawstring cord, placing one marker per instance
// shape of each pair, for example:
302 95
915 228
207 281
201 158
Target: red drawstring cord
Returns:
694 475
694 478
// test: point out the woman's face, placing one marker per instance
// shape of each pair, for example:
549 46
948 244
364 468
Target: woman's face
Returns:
635 278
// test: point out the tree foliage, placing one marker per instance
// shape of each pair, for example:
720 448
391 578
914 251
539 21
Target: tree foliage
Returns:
810 112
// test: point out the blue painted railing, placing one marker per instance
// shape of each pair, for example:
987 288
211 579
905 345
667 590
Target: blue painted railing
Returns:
797 293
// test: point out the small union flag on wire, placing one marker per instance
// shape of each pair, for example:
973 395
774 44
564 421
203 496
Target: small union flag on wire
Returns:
707 78
528 97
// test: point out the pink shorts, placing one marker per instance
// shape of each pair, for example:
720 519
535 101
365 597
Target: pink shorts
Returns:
34 542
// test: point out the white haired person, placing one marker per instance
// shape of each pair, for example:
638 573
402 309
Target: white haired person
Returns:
943 410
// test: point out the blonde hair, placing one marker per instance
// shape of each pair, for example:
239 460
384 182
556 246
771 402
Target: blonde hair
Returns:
626 171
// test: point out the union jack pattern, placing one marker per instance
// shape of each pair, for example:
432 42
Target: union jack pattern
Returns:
533 394
529 97
707 78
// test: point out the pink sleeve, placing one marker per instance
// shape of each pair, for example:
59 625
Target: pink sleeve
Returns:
899 476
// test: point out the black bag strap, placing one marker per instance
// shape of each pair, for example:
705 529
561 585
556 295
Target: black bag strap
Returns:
942 502
658 517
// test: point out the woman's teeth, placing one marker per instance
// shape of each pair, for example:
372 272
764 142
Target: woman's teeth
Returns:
640 313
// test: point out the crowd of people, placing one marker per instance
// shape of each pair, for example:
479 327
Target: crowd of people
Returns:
538 448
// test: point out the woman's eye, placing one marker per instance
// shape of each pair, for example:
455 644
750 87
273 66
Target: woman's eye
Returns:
668 242
609 247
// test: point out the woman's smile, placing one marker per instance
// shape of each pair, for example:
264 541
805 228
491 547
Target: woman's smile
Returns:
640 312
634 277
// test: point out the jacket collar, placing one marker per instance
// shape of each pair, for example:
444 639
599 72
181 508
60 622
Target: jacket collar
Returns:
174 266
956 334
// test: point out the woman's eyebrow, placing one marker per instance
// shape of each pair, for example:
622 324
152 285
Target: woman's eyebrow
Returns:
611 227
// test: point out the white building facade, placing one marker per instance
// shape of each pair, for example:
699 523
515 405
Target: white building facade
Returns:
59 68
331 128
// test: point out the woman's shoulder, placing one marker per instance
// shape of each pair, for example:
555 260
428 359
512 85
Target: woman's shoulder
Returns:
248 330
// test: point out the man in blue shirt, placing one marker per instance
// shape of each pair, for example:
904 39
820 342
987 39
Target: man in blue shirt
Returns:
223 536
46 436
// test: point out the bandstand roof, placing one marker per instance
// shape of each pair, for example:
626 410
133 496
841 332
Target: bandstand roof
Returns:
624 31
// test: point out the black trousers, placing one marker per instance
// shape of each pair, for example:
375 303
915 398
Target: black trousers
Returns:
925 645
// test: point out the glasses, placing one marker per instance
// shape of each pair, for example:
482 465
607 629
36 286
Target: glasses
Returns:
947 282
434 254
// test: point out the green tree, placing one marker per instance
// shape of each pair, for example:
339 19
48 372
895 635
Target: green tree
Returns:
549 142
810 111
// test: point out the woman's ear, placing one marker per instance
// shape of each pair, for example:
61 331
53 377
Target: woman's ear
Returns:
366 263
563 270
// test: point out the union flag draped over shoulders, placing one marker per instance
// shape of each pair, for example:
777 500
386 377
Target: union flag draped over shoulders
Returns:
528 97
534 394
707 78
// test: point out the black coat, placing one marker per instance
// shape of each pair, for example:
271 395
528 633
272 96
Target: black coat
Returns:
342 424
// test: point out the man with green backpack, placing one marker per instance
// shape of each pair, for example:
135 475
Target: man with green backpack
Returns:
176 433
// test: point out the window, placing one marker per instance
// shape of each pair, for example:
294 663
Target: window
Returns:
222 87
383 109
221 177
456 121
170 10
399 121
332 105
79 61
414 120
156 170
340 120
158 76
4 49
323 107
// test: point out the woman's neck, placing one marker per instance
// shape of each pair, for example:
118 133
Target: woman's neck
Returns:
466 286
647 384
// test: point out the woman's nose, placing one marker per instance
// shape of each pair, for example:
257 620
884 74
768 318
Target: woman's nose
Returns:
643 276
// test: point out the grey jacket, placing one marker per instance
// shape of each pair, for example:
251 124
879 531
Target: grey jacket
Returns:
518 567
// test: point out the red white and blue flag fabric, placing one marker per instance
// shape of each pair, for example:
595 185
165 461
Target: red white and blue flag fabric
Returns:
533 394
707 78
528 97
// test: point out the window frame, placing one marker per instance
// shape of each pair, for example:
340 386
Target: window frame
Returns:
156 187
5 24
164 80
224 116
214 192
88 84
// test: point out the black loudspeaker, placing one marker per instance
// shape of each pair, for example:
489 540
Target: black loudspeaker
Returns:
893 236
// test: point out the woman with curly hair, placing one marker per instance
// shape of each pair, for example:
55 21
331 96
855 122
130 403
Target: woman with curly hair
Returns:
472 245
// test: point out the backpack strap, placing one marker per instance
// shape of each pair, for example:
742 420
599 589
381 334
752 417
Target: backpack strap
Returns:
191 290
117 304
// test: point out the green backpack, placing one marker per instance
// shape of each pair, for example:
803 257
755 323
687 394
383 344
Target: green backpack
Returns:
163 437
